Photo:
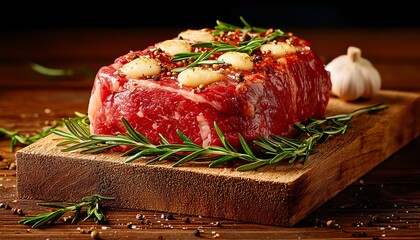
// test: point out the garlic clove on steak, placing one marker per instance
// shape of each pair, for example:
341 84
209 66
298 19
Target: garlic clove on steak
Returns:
201 35
141 67
196 76
174 46
237 60
353 77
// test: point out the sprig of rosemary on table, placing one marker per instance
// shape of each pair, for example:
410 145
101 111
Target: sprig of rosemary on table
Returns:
274 149
247 46
17 137
91 203
52 72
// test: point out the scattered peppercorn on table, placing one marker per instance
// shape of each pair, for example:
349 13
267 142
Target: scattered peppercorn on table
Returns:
383 203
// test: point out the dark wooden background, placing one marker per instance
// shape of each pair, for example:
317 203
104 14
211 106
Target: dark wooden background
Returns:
383 204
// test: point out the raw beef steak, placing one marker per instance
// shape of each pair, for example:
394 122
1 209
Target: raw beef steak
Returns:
252 83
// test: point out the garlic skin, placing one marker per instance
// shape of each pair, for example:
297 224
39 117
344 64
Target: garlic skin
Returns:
353 77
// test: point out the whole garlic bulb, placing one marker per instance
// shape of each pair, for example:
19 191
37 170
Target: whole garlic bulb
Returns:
353 77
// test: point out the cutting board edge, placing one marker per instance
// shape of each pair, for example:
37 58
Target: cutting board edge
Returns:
210 195
394 134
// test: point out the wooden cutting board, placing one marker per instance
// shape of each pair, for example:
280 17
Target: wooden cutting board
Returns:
281 196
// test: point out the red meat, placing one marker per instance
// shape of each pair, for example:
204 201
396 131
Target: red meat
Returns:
276 93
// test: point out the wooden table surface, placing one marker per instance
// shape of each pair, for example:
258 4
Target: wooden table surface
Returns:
383 204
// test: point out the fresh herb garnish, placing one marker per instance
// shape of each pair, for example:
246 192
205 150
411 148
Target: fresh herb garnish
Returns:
223 27
274 149
17 137
91 203
200 59
248 46
58 73
53 72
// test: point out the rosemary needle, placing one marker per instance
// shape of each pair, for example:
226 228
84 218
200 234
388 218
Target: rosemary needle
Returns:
274 149
53 72
91 203
227 27
16 137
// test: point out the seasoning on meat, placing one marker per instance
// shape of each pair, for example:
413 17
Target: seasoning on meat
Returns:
205 76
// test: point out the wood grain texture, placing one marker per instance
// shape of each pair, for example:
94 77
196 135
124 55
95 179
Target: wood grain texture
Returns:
389 192
280 197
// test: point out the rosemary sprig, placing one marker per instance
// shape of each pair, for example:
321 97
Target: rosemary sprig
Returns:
274 149
53 72
202 58
227 27
248 46
310 133
17 137
91 203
